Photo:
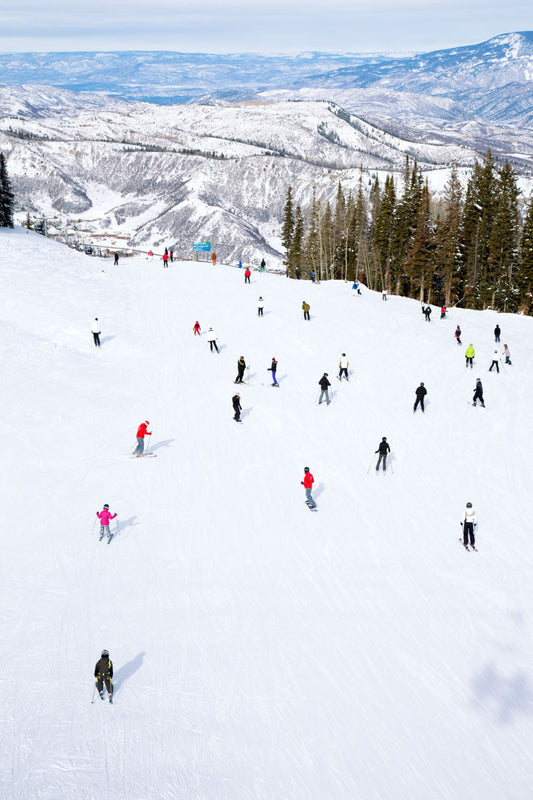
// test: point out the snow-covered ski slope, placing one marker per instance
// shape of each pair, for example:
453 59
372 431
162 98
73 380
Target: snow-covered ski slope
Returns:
260 651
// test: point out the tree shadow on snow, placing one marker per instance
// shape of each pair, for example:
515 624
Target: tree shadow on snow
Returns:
504 695
162 443
126 671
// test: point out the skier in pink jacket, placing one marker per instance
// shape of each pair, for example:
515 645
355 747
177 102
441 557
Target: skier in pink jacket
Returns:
105 517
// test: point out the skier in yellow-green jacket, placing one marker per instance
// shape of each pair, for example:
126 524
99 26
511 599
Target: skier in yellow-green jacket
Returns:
469 355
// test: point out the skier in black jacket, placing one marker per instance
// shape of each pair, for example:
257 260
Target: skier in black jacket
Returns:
324 383
241 366
383 449
478 393
236 400
420 392
103 672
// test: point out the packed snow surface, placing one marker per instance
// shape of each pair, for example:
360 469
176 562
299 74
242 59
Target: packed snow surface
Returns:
260 650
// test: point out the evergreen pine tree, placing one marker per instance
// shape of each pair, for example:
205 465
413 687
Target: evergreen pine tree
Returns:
294 256
287 228
503 243
448 263
6 196
419 264
524 274
383 233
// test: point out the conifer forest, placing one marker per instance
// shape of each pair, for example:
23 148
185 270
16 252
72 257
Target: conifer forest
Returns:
472 247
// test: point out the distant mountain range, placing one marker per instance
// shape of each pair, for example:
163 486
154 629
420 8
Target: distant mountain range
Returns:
491 81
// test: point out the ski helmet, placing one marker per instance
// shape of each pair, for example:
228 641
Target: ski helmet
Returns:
306 469
105 653
421 383
469 505
344 355
106 505
146 422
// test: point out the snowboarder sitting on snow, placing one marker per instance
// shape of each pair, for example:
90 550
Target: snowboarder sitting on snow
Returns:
324 383
469 355
103 672
307 483
196 328
469 521
343 367
241 366
420 392
236 400
273 368
507 354
478 393
383 449
306 308
142 431
105 517
260 307
458 335
495 362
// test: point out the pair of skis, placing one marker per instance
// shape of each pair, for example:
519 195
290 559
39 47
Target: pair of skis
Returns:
467 547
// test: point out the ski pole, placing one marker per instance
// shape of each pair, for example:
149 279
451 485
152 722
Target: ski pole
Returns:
371 462
92 529
94 690
150 442
117 529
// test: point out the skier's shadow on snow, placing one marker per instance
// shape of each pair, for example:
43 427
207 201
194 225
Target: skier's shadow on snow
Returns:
319 489
221 347
126 671
505 695
105 339
126 523
162 443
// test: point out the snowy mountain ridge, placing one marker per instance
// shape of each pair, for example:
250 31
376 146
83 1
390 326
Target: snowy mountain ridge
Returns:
260 651
169 175
461 74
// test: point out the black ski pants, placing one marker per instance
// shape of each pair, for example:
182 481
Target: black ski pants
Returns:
306 315
212 344
100 684
468 530
382 457
343 371
478 396
259 312
417 401
469 361
247 279
96 337
494 364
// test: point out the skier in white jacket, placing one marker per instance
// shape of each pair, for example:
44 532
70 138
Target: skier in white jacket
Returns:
343 367
212 339
469 521
96 330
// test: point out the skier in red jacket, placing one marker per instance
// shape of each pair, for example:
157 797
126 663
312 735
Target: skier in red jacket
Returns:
247 274
307 483
141 433
196 328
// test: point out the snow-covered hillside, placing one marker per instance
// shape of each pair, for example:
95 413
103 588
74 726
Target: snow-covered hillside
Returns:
260 650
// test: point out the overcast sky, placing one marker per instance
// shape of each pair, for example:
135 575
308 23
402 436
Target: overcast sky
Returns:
269 26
